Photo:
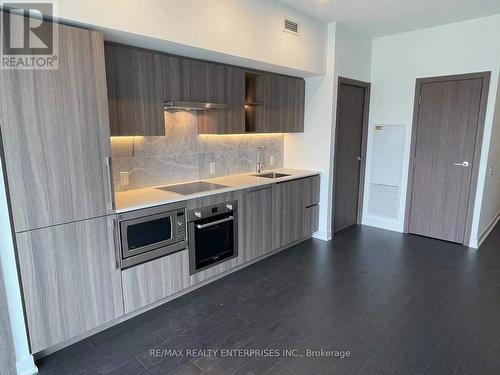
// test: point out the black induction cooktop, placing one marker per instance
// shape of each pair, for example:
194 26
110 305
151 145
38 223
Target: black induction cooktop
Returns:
192 187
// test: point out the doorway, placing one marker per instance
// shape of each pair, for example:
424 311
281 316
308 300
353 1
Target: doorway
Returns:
446 143
351 130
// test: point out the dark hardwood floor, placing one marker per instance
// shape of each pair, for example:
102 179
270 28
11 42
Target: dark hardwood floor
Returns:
401 304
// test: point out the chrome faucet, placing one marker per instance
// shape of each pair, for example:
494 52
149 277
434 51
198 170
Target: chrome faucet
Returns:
259 162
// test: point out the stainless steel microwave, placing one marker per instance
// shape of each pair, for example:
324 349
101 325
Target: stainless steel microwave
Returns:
151 233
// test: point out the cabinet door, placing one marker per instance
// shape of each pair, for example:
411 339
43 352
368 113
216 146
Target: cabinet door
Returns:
311 220
289 212
55 132
70 279
283 104
232 119
155 280
311 190
135 91
258 222
193 80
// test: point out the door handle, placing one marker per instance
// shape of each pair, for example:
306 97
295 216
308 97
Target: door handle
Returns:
462 164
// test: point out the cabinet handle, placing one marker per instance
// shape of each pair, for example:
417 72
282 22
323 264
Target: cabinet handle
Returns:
116 243
110 194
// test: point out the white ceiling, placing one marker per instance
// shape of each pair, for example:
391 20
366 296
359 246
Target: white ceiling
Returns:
376 18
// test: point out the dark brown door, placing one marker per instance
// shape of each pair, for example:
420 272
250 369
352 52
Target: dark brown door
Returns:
349 151
447 124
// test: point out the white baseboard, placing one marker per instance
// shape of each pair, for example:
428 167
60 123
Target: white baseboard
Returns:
322 235
476 242
381 223
26 366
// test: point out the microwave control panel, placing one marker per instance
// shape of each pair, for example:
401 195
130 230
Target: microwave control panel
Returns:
181 225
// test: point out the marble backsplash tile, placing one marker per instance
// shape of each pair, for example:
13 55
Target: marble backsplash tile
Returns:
183 155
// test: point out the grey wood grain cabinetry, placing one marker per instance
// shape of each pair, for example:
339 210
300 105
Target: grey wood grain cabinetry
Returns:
232 119
7 354
70 280
311 220
135 91
289 220
55 132
296 210
231 263
193 80
258 230
283 104
311 190
155 280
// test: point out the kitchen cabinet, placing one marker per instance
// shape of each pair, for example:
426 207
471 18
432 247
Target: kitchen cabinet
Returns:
283 104
155 280
311 190
289 212
258 231
140 81
193 80
232 119
135 91
70 279
55 133
296 210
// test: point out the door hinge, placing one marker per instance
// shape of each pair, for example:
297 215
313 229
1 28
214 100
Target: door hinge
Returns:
419 99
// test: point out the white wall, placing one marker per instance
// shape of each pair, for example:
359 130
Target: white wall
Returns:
490 208
24 360
470 46
241 32
348 55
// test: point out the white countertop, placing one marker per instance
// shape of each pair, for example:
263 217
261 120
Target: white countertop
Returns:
149 197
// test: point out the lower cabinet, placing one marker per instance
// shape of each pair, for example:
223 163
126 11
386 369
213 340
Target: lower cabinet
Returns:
296 210
155 280
258 231
289 212
311 220
72 284
70 280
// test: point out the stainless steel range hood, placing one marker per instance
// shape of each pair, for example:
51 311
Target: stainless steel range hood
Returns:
195 106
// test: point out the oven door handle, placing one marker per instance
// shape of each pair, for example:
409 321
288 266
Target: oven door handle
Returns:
202 226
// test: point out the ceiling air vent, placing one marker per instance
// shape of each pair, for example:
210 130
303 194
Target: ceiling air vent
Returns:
291 26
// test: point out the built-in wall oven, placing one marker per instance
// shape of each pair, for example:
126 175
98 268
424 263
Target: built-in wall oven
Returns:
150 233
213 235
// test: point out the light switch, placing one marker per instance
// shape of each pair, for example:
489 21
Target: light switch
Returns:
212 168
491 170
124 180
271 160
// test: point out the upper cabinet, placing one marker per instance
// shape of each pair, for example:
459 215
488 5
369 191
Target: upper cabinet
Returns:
232 119
193 81
55 133
142 83
135 91
283 104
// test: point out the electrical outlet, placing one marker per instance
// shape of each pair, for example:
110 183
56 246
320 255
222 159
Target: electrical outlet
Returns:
491 170
271 160
212 168
124 180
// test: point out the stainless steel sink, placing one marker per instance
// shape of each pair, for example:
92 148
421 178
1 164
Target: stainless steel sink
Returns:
271 175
